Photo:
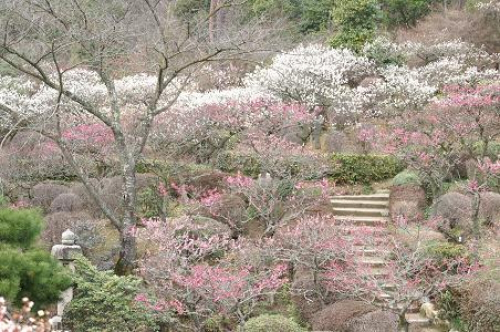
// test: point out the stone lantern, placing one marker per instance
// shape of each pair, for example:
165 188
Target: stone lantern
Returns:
66 253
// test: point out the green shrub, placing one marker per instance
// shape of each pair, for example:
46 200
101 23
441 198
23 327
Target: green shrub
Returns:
231 163
406 177
307 15
448 302
364 168
106 302
446 250
405 12
383 52
20 228
356 22
271 323
26 271
492 151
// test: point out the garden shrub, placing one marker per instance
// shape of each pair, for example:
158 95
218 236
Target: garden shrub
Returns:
112 190
271 323
106 302
334 316
45 192
232 162
489 208
406 177
356 21
80 223
383 53
445 251
67 202
455 210
89 204
20 228
355 168
405 12
479 305
26 271
492 151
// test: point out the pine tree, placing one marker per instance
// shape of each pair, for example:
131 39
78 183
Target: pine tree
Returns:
25 270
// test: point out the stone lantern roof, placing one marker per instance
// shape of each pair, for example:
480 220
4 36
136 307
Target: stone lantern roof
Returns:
68 250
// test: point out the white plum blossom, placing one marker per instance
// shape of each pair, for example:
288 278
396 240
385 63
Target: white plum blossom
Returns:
314 75
402 88
195 100
492 6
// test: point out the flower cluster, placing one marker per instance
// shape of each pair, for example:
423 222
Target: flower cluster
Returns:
23 321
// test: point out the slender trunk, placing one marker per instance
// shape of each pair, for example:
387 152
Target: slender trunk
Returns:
476 225
212 20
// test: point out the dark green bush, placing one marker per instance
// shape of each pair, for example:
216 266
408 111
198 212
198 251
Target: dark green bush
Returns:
406 177
355 168
492 150
447 250
356 22
382 53
26 271
20 228
307 15
271 323
405 12
231 163
106 302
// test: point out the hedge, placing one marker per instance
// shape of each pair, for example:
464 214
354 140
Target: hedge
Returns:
353 168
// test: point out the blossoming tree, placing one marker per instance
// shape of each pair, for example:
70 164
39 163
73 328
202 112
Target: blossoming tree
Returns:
72 59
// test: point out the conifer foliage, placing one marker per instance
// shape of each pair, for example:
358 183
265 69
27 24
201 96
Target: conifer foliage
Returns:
25 270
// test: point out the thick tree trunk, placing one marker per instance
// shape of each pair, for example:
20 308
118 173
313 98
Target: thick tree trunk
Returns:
128 255
127 261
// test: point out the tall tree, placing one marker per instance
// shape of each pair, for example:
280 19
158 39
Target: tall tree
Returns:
75 52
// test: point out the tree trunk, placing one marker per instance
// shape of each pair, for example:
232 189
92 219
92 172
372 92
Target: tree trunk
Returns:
128 254
212 20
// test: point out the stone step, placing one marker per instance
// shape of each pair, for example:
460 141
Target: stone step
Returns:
378 272
357 212
388 287
384 297
374 197
374 262
417 328
345 203
363 221
417 319
372 242
363 230
371 252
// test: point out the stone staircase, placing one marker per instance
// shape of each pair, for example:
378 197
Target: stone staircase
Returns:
372 212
